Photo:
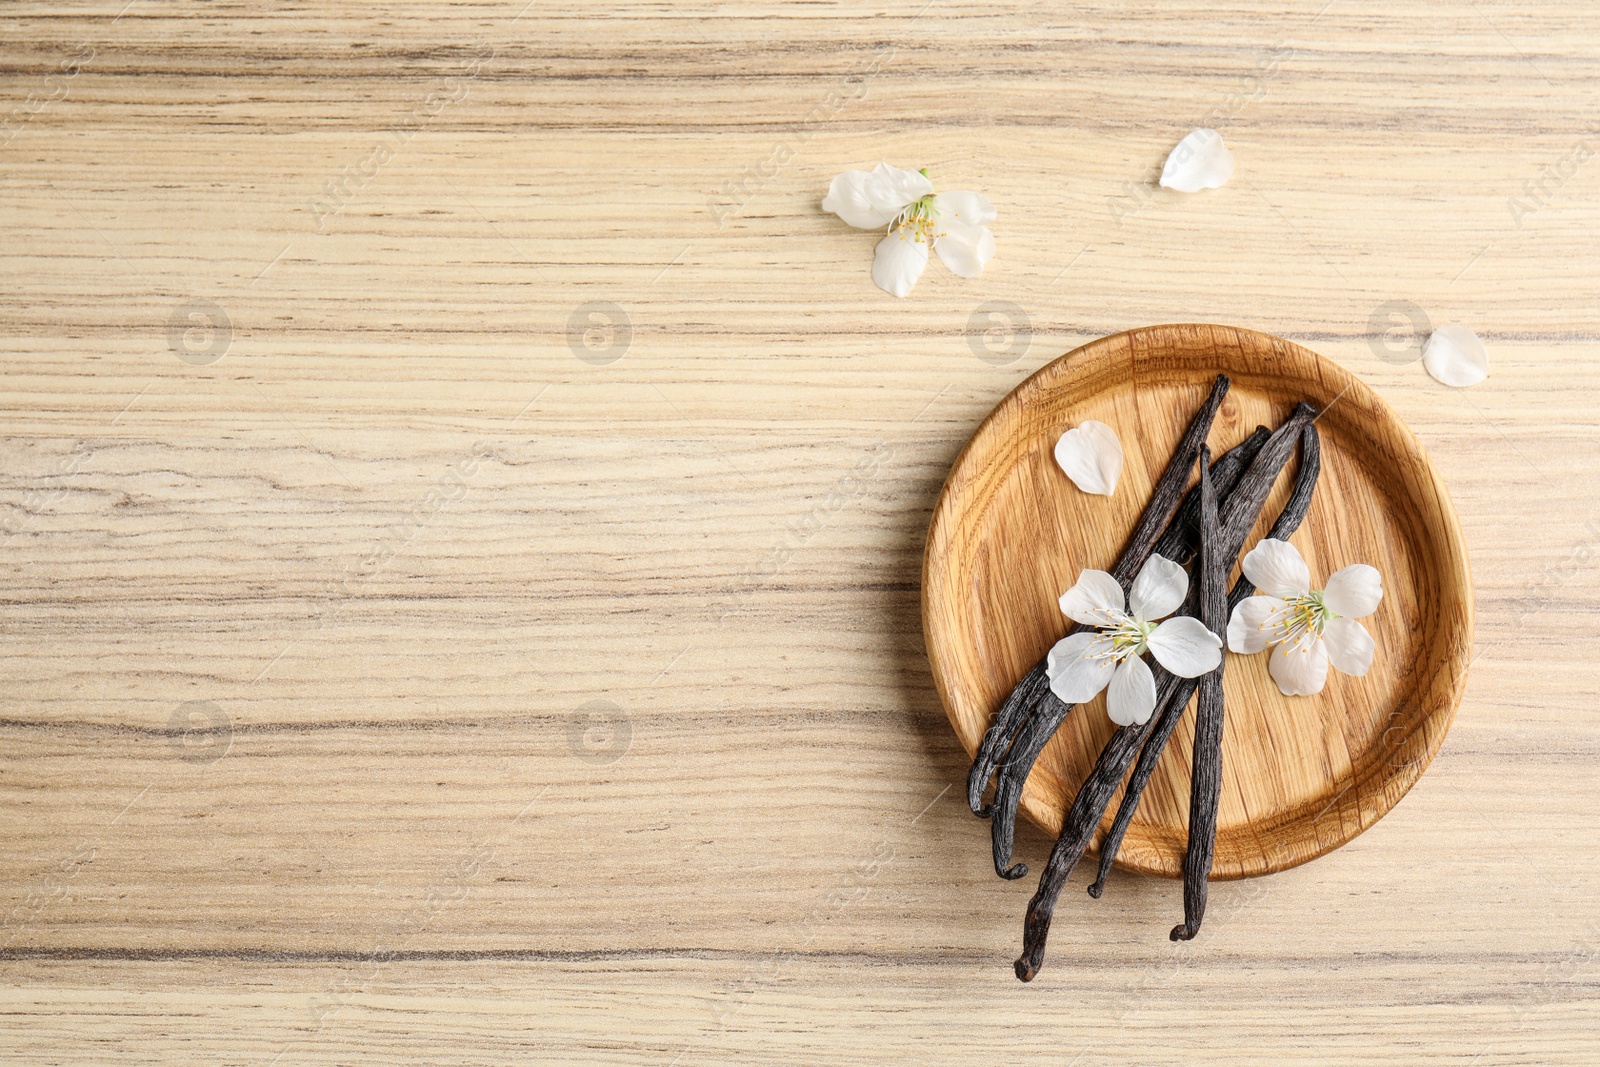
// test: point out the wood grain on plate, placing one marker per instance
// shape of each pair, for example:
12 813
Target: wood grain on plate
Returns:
1301 775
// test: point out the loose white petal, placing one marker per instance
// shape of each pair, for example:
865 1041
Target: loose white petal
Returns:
847 198
1159 589
899 262
1255 621
964 249
1132 696
1092 457
1354 591
972 208
1185 647
1455 356
1349 646
1077 670
1277 568
1299 668
891 189
1201 161
1095 599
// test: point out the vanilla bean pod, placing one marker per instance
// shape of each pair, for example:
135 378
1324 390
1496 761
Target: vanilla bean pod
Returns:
1157 516
1181 538
1094 796
1205 788
1048 710
1283 527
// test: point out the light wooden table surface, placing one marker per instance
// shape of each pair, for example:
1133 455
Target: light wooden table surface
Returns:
462 506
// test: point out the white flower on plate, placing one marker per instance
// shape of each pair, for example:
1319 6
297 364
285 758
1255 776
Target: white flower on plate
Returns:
1091 455
1455 356
1306 628
1082 664
903 201
1201 161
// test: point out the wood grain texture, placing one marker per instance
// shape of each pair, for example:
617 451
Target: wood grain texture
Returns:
1010 534
752 850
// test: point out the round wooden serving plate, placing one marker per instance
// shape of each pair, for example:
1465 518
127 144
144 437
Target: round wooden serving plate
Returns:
1301 775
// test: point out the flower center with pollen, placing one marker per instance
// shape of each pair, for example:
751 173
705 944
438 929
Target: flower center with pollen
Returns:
1299 622
917 220
1125 637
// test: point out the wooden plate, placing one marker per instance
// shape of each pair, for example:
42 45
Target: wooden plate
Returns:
1301 775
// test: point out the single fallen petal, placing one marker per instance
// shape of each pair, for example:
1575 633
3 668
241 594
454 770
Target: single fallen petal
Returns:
1078 668
1091 455
1255 621
1276 567
847 198
1159 589
1132 696
1095 599
1185 647
898 263
1350 647
1353 591
1201 161
965 249
1299 667
1455 356
892 188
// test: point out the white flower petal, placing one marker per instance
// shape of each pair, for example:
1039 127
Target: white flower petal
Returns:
1077 672
1256 621
1095 599
1092 457
891 188
1185 647
1349 646
964 249
1132 696
847 198
1277 568
1354 591
1201 161
1455 356
1159 589
1299 668
899 262
972 208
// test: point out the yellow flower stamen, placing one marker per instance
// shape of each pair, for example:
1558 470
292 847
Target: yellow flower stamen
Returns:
1127 637
918 220
1298 624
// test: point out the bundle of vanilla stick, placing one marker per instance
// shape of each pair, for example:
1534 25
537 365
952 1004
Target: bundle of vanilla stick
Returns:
1207 524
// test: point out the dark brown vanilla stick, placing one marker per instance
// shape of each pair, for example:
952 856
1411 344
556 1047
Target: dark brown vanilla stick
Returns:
1157 516
1283 527
1094 796
1183 536
1049 712
1205 787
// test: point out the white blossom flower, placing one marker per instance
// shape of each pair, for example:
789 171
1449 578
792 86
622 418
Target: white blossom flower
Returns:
1082 664
1201 161
1091 455
1306 628
903 201
1455 356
